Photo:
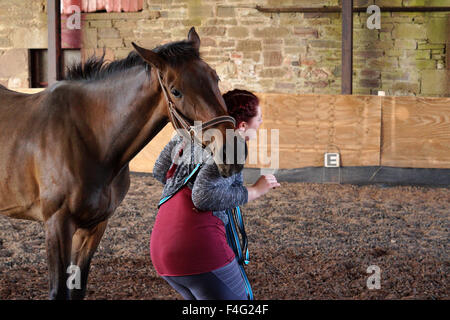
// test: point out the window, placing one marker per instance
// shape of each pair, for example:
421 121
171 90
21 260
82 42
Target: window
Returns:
103 5
39 65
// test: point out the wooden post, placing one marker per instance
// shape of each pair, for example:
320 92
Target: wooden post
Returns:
347 46
54 40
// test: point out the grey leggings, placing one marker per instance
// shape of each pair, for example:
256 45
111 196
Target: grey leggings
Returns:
225 283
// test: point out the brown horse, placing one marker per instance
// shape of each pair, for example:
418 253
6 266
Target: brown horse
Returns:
64 152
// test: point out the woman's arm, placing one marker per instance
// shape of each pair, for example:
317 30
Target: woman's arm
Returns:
164 161
262 186
253 193
213 192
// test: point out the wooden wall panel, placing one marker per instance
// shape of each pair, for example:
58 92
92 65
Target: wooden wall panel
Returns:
28 90
145 160
312 124
416 132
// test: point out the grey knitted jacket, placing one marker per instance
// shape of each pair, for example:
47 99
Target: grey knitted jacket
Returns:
210 191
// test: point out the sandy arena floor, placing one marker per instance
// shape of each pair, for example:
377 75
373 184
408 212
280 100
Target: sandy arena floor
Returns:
307 241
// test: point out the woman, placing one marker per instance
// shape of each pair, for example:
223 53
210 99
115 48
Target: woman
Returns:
188 245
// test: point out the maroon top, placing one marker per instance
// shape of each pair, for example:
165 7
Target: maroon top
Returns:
185 241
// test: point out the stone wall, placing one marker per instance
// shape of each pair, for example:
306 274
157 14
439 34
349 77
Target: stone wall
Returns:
266 52
23 25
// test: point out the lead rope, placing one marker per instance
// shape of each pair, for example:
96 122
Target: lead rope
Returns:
192 174
241 253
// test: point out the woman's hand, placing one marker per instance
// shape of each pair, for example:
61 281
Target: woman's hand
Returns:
262 186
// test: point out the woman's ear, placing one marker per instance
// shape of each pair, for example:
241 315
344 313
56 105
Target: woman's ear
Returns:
242 125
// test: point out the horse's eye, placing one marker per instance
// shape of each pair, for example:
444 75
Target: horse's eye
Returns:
176 93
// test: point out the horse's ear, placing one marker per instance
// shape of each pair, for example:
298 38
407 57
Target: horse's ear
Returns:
194 38
150 57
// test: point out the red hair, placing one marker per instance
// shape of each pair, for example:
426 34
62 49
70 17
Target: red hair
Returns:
241 104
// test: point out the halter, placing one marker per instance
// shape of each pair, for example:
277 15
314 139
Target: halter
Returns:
178 119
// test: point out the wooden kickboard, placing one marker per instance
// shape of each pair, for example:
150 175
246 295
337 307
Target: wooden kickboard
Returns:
416 132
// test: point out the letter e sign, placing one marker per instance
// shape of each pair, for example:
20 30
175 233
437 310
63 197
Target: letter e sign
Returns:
332 160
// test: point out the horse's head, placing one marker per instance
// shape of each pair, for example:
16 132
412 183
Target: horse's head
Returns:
192 85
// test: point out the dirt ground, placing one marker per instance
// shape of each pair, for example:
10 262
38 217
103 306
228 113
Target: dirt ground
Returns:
307 241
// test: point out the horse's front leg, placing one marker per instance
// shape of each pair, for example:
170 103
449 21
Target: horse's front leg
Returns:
84 245
59 230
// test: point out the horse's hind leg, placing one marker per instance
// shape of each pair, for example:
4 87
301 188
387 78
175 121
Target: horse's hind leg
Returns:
84 244
59 230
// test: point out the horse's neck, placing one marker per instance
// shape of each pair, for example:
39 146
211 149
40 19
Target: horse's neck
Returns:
130 113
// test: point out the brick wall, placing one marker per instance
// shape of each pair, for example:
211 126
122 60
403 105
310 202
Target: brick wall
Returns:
23 25
269 52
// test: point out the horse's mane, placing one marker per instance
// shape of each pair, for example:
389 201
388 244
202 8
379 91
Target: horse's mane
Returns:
96 68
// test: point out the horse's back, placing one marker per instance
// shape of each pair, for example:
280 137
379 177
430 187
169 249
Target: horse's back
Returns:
18 114
17 106
8 93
